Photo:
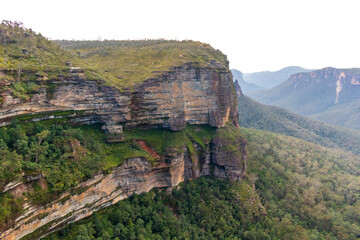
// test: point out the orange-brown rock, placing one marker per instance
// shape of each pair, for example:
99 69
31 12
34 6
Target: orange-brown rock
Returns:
183 95
186 94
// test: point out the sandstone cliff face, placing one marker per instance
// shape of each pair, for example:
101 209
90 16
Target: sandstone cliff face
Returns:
135 175
337 85
185 94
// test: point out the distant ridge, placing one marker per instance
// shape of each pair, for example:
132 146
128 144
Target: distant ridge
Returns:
329 94
245 86
267 79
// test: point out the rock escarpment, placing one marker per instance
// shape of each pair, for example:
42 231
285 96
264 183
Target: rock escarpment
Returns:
185 94
135 175
143 85
314 92
337 85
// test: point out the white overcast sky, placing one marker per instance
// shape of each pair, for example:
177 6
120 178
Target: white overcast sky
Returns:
256 35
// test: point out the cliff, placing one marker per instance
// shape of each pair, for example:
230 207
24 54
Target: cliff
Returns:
171 97
185 94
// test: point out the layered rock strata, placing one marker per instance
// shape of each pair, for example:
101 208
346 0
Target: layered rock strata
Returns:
185 94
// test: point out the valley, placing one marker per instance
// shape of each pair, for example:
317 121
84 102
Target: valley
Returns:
152 139
328 94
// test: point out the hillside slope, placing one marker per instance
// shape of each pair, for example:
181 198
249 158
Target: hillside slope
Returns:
302 183
346 115
278 120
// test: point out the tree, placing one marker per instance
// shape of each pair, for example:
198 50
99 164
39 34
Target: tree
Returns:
10 166
38 149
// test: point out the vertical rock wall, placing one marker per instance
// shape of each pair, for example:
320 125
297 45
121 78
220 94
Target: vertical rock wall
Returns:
185 94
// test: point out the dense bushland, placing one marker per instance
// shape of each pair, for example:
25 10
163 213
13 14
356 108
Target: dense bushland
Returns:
293 190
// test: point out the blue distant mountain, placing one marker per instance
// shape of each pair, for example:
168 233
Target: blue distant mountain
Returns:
246 87
267 79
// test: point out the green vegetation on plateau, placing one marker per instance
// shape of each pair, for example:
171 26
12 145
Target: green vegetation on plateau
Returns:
26 55
127 63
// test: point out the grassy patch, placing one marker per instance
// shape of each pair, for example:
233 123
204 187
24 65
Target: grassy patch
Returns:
162 139
45 114
26 56
128 63
23 90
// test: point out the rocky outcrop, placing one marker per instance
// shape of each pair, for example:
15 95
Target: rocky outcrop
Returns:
185 94
135 175
237 88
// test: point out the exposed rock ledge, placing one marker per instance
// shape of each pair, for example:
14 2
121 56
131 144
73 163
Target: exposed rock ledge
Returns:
185 94
135 175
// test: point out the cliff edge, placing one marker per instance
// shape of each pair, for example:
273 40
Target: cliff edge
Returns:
198 91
